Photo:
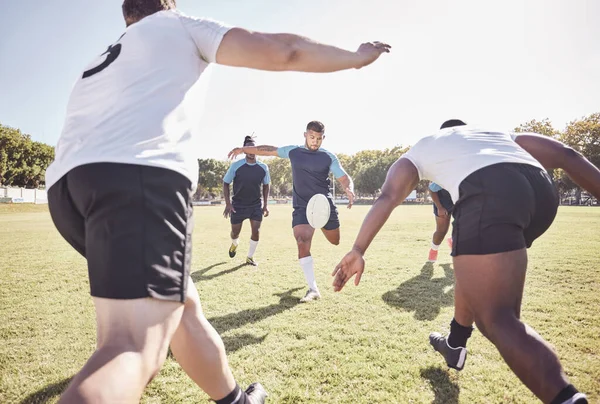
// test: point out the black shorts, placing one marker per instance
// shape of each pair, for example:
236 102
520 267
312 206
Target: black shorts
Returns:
132 223
502 207
445 200
253 213
299 217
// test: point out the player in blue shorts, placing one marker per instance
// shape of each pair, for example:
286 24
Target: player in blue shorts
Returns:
311 166
442 209
250 178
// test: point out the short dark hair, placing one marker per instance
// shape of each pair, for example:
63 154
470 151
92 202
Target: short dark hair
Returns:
248 139
451 123
316 126
135 10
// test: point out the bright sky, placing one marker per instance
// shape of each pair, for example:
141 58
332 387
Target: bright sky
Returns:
498 64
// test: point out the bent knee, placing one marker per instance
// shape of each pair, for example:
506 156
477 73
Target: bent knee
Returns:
495 323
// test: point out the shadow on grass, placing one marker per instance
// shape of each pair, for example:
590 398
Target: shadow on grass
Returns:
200 274
48 393
422 294
241 318
446 391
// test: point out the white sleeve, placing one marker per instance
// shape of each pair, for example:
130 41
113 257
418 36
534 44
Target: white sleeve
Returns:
206 33
414 155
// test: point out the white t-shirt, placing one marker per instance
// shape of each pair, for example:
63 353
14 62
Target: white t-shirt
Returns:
134 103
452 154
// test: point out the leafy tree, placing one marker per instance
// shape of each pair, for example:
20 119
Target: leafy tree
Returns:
582 135
280 171
210 177
23 162
543 127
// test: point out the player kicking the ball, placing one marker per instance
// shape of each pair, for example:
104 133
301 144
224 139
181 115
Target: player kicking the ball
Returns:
311 166
250 178
505 200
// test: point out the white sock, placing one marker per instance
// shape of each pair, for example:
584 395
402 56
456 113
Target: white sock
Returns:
235 241
252 249
434 246
307 265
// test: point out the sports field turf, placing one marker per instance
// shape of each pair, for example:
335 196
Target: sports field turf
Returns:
367 344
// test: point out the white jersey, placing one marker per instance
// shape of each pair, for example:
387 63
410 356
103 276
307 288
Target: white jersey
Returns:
452 154
132 105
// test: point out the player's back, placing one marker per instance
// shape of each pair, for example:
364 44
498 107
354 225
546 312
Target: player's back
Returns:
450 155
129 105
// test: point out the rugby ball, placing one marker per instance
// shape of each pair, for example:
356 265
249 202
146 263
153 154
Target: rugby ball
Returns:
318 211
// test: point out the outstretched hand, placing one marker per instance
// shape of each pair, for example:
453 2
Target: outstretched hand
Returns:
352 264
370 52
235 152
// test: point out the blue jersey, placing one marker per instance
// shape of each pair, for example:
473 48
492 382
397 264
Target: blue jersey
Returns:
247 182
433 187
310 172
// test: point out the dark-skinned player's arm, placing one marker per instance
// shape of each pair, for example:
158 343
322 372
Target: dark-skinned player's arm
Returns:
227 180
401 179
227 197
554 154
263 150
265 190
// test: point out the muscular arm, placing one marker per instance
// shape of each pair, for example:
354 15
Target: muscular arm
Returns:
554 154
289 52
262 150
401 179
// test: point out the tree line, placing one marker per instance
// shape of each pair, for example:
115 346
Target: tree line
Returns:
23 162
368 168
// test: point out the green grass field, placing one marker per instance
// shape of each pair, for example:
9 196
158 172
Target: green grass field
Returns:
367 344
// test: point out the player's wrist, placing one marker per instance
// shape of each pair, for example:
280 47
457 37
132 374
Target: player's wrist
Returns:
358 250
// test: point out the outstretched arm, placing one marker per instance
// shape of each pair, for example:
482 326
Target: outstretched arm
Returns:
289 52
554 154
401 179
263 150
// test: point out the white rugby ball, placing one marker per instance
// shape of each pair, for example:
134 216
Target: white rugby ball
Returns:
318 211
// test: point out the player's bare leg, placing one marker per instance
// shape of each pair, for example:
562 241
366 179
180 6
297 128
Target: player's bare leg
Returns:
333 236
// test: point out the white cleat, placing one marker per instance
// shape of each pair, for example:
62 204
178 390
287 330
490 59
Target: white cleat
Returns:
310 295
